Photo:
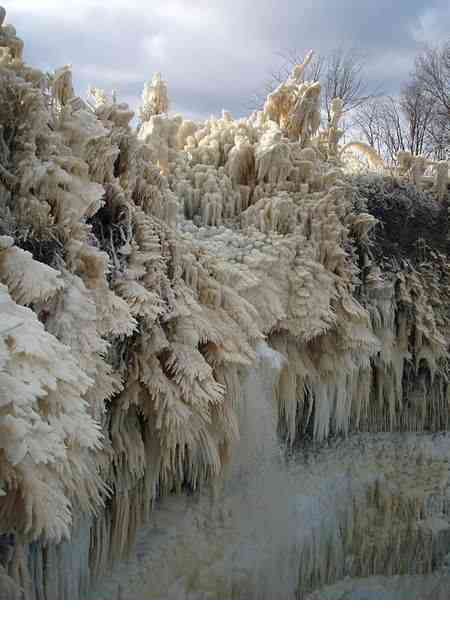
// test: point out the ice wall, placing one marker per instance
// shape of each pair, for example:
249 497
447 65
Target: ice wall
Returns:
280 527
276 524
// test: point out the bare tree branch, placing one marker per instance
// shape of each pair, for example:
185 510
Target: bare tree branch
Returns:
433 71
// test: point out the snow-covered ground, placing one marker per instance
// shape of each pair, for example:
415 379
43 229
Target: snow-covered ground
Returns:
434 586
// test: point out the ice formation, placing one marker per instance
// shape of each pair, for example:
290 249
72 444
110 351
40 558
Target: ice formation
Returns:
144 272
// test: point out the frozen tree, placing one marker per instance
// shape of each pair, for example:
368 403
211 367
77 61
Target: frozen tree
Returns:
342 73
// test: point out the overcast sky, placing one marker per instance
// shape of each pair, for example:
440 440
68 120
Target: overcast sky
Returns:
215 54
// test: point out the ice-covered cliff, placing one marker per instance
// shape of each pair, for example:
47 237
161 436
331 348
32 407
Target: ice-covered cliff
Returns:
194 307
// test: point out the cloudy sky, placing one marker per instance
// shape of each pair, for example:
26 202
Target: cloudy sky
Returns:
215 54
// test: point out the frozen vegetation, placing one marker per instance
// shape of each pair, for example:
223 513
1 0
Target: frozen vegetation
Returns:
224 366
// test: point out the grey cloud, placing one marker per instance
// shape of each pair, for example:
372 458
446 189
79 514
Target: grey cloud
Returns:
215 55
